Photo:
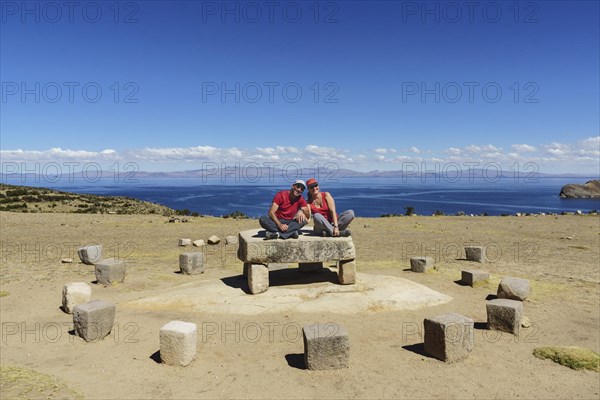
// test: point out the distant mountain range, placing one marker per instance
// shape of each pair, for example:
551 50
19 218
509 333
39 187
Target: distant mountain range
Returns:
448 172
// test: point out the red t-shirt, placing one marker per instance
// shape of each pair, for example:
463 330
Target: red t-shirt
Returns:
287 207
324 209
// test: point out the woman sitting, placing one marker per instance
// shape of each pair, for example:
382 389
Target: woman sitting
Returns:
322 206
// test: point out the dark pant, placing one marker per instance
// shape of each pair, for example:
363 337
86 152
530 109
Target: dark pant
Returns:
267 223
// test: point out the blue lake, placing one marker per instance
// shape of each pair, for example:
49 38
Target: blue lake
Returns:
368 197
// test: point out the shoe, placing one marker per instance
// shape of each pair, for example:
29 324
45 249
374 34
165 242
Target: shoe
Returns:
345 233
324 233
295 235
271 235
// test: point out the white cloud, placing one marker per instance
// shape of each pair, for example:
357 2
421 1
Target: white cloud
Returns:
383 150
523 148
577 156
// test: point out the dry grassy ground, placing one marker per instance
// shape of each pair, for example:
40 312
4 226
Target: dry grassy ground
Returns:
386 353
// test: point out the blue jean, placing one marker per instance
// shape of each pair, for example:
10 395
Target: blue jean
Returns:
267 223
321 223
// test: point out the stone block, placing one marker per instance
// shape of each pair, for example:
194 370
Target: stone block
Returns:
475 253
513 288
231 240
93 320
75 293
90 254
504 315
310 267
214 239
421 264
110 271
326 346
253 248
347 272
449 337
185 242
198 243
258 278
472 276
178 343
191 263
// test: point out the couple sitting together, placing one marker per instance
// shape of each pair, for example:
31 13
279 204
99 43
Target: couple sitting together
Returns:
289 212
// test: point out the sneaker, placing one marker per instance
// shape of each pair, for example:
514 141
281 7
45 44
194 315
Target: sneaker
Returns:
345 233
295 235
271 235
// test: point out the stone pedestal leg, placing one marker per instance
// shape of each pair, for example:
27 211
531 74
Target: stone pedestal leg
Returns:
258 278
347 272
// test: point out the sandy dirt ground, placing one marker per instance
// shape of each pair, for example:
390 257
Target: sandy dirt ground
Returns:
261 355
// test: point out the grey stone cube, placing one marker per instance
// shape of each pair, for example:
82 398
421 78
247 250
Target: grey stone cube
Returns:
93 320
231 240
326 346
470 277
90 254
258 278
214 239
191 263
310 267
513 288
185 242
421 264
449 337
178 343
504 315
110 271
475 253
75 293
347 272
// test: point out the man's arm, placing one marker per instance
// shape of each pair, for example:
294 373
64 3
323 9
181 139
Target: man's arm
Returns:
274 207
303 214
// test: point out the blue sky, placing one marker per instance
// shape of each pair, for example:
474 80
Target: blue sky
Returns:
367 85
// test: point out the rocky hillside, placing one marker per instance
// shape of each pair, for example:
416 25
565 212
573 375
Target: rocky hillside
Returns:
31 199
591 189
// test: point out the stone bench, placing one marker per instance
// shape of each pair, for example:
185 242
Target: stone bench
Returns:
309 251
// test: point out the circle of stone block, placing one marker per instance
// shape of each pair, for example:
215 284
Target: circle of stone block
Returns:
178 343
470 277
110 271
191 263
513 288
504 315
475 253
75 293
90 254
326 346
185 242
421 264
449 337
93 320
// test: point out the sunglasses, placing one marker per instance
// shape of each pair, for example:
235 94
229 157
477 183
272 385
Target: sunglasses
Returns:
299 186
316 185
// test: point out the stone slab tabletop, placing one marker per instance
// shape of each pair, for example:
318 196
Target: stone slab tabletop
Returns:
253 248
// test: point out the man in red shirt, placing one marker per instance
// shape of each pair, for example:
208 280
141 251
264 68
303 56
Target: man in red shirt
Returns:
288 213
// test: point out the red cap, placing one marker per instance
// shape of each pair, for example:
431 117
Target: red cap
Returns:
312 182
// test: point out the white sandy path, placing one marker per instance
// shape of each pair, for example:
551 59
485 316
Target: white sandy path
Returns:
371 293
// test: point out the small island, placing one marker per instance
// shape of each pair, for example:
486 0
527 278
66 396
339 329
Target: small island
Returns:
589 190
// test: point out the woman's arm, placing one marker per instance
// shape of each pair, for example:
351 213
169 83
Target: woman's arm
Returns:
333 213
